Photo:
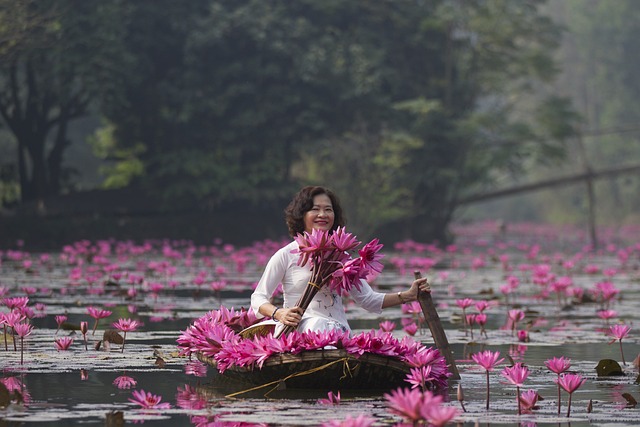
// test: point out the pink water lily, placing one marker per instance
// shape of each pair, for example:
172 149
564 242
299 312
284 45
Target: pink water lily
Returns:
488 360
125 325
570 383
420 377
407 403
63 343
529 400
125 382
60 319
97 314
371 256
618 332
84 328
22 330
387 326
148 400
558 365
332 399
516 375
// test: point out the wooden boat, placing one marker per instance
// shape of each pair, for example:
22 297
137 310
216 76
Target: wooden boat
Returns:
322 369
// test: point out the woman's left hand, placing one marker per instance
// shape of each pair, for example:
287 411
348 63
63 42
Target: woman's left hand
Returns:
421 284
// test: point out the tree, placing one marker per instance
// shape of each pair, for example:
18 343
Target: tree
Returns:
51 54
406 106
454 111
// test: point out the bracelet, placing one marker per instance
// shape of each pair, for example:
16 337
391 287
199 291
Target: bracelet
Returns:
273 315
402 301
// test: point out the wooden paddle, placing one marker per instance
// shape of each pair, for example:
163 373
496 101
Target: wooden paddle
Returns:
439 337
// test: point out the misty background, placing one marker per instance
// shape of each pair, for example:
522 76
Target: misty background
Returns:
202 119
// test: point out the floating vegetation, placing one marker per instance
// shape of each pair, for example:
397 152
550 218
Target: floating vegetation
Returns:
541 296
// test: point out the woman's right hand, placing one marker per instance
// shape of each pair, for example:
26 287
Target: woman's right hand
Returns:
289 316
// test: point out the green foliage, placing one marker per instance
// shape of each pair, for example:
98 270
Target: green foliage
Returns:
55 56
401 107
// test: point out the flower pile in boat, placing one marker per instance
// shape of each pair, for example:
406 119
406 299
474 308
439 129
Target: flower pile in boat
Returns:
213 338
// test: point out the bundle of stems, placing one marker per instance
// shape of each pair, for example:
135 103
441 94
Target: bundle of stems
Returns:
324 265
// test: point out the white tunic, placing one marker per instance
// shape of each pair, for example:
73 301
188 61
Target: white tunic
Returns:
326 310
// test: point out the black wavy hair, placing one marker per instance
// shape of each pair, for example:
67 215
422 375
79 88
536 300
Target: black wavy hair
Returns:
302 203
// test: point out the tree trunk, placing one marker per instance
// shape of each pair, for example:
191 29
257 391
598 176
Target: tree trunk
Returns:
55 158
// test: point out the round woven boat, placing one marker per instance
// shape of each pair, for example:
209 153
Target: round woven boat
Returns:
322 369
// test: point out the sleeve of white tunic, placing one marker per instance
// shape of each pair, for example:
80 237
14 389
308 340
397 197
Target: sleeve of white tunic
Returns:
273 275
367 298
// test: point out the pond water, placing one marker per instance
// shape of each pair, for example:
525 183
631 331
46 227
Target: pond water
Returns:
549 274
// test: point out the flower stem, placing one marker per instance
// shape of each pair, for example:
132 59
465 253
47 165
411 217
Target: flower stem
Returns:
518 397
622 353
559 397
487 390
123 340
95 326
21 350
569 405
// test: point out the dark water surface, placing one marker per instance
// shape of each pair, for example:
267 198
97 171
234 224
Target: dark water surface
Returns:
77 386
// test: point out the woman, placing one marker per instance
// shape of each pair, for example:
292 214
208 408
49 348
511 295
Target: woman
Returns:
315 208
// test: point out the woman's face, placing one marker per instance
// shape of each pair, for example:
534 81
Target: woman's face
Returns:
321 215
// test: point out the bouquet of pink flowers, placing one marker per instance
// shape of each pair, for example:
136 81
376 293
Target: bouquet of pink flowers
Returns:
332 263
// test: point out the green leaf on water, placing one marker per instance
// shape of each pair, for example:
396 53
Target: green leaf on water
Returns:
608 368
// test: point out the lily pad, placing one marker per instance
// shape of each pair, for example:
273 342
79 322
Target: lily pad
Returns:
608 368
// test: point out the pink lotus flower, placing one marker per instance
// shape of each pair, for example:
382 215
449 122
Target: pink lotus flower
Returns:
481 319
411 328
618 332
523 335
529 400
63 343
97 314
516 375
60 319
125 325
332 399
84 328
387 326
464 303
513 317
17 302
420 377
344 241
22 330
559 366
148 401
606 315
488 360
570 383
124 382
10 319
417 407
438 415
408 403
482 305
371 257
